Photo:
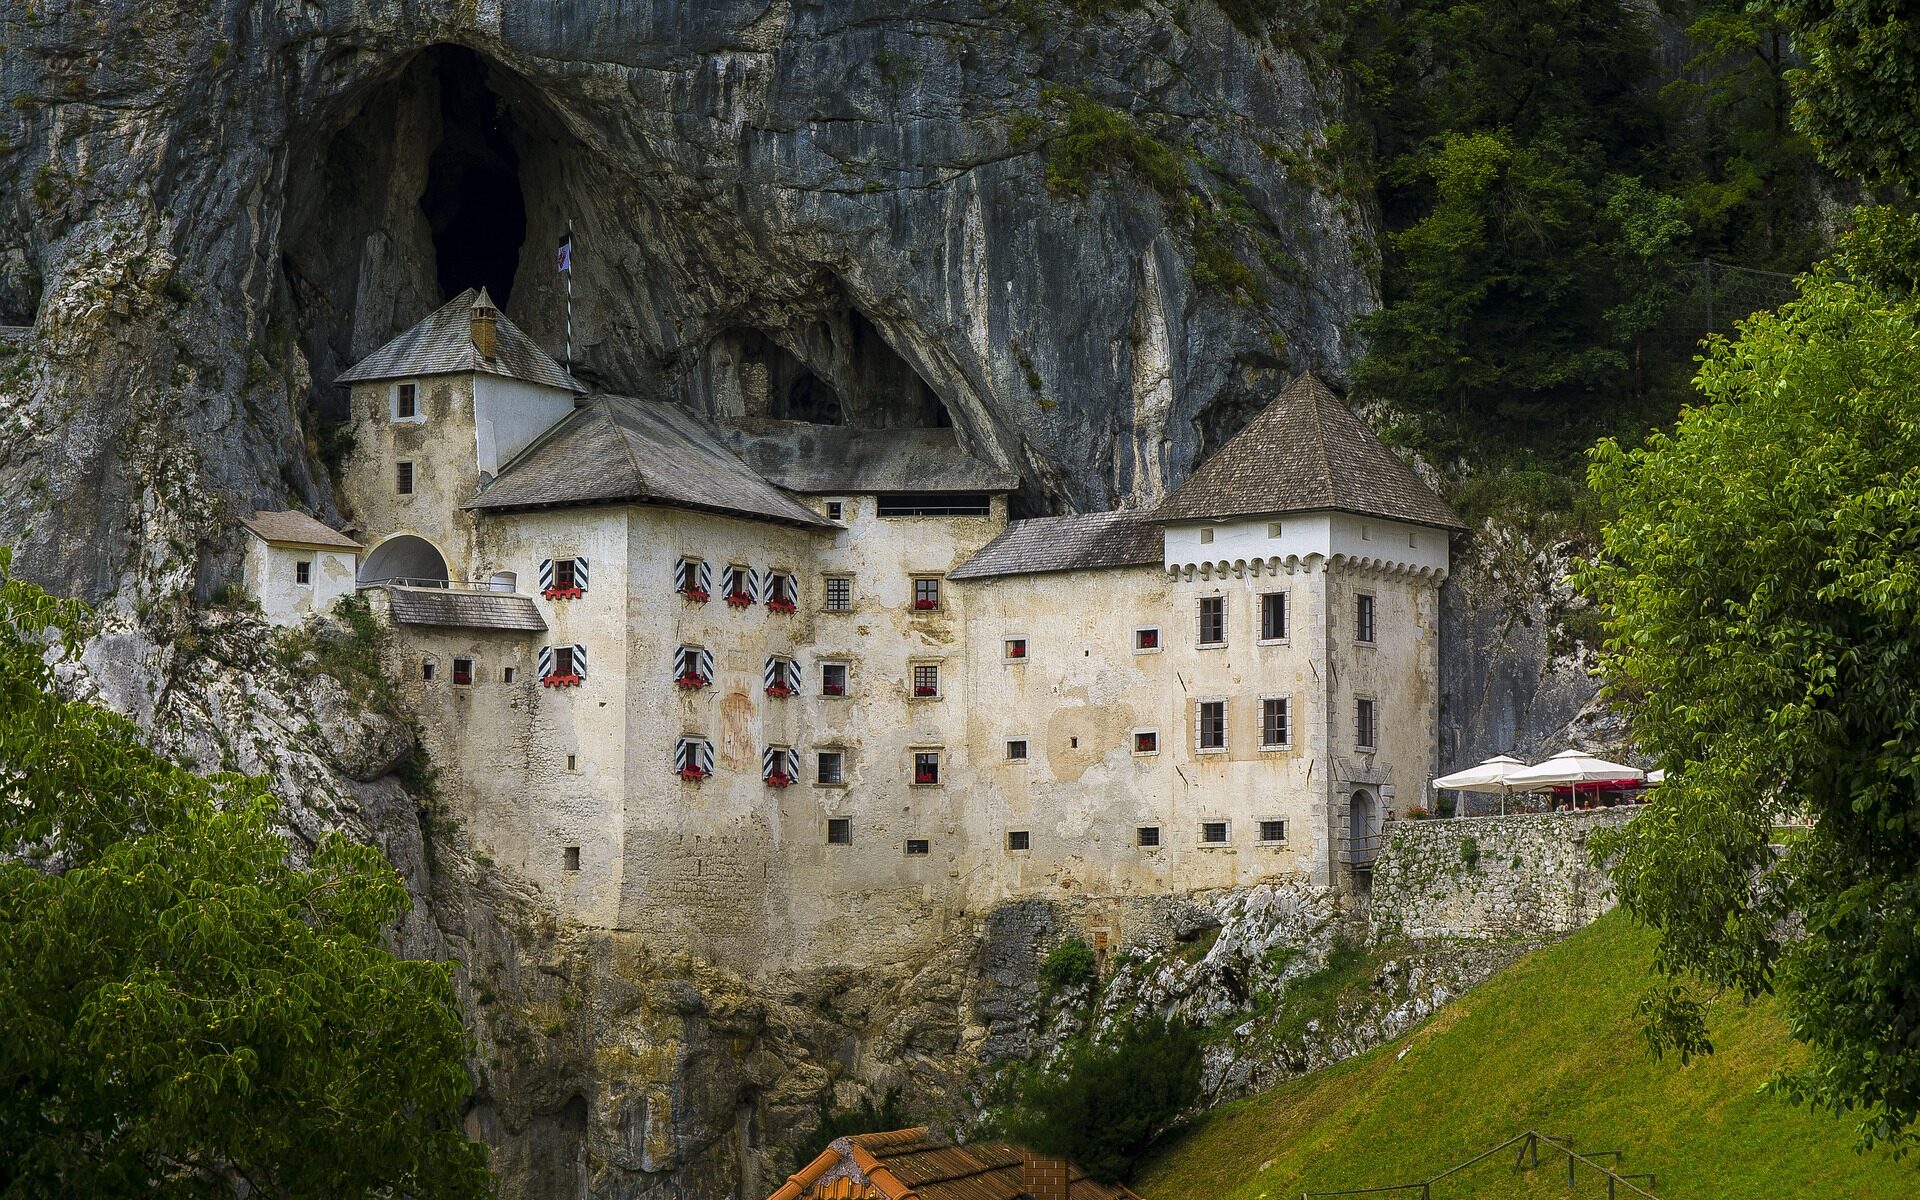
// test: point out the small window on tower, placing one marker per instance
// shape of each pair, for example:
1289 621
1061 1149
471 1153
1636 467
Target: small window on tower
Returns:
1213 833
303 573
839 831
1213 620
926 768
1146 639
1019 839
1147 836
839 593
1363 618
1016 650
403 478
917 847
1213 725
1017 749
833 679
1273 832
1206 537
831 768
426 670
462 671
926 681
1273 616
571 859
1146 741
836 510
507 674
926 594
406 402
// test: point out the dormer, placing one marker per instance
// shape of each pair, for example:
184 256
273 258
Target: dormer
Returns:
1305 483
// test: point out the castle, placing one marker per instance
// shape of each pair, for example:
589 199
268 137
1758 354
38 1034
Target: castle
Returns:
773 691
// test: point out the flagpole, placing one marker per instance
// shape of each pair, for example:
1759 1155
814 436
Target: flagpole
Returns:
569 297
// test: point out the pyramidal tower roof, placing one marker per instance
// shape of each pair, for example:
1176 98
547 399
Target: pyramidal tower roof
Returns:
1304 452
444 344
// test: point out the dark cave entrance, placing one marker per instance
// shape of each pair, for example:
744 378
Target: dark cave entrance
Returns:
472 202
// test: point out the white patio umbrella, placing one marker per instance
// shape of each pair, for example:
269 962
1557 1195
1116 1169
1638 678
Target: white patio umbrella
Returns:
1573 767
1657 776
1492 775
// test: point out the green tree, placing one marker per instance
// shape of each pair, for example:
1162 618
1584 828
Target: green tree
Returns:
1762 586
184 1012
1855 93
1109 1102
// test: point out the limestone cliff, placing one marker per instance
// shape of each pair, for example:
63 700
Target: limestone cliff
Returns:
208 207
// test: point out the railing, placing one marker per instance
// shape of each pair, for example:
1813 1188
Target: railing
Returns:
458 585
1359 852
1526 1157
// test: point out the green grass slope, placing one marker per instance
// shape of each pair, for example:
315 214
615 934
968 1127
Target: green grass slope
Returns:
1550 1044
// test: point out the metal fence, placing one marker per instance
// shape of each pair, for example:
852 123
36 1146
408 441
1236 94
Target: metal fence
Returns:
1526 1147
1712 297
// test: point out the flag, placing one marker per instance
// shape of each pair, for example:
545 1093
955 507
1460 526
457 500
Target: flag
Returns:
565 257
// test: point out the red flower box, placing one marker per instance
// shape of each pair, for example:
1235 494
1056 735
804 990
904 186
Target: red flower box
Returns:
1149 640
925 777
695 595
560 681
692 774
926 691
925 605
780 691
739 600
692 681
564 593
781 605
833 689
1016 651
779 779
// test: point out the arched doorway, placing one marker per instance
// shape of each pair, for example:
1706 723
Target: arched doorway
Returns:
1363 822
404 559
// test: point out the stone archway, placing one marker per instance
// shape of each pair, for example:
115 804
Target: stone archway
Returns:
405 558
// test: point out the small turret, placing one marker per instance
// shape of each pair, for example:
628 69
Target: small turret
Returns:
484 318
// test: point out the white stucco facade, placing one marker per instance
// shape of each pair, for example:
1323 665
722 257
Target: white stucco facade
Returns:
292 581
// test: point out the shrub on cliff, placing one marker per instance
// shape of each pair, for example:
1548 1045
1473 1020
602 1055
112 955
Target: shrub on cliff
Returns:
1107 1102
1068 966
183 1011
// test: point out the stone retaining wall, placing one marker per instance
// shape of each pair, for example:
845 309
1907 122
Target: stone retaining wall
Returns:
1521 876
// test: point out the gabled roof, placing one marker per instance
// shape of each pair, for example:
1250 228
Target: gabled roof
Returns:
616 449
819 459
285 527
913 1164
464 610
1306 451
1073 543
442 344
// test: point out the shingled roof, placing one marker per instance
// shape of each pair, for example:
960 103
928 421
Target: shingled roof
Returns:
465 610
818 459
286 527
1071 543
914 1164
1306 451
442 344
616 449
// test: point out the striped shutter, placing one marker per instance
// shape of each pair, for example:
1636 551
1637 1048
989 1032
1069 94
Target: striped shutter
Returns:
792 757
756 584
682 661
546 661
775 674
546 574
580 660
706 575
683 754
580 573
704 659
695 752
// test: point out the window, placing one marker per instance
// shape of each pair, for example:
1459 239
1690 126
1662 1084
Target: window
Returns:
839 593
1213 620
570 859
426 669
573 762
692 668
406 402
1016 650
779 766
926 768
303 573
403 478
507 674
833 679
782 595
462 671
1276 722
1363 618
1146 639
1017 749
693 758
563 578
836 510
830 767
1366 532
1206 537
1273 616
563 666
1365 727
782 676
1213 725
926 593
1019 839
1272 832
958 504
736 583
1147 836
1273 529
839 831
926 680
693 580
917 847
1213 833
1146 741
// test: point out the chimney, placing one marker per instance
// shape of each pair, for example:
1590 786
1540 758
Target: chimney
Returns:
486 340
1042 1177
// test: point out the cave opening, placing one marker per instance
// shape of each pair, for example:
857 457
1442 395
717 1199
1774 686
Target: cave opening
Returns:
472 202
